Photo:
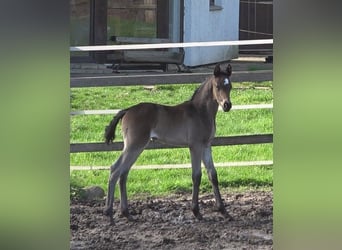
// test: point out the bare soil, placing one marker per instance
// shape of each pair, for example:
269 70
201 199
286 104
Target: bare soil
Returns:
168 223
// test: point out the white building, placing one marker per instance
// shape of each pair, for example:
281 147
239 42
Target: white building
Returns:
203 23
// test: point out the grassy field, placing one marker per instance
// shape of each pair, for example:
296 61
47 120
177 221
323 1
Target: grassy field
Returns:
132 28
90 128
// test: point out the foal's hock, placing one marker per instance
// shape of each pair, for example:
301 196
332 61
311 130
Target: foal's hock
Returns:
191 123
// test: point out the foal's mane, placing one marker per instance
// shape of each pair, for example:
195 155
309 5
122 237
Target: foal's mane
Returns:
198 89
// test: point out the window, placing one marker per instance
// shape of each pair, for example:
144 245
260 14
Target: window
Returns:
134 18
213 5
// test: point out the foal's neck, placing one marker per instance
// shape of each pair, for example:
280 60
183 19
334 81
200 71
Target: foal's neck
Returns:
204 99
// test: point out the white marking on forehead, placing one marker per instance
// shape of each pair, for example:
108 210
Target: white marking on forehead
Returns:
226 81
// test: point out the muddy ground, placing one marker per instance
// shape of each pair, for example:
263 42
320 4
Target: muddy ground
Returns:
168 223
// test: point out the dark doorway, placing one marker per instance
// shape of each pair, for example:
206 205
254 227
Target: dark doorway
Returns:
256 22
88 26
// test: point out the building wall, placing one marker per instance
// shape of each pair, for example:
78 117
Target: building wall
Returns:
202 24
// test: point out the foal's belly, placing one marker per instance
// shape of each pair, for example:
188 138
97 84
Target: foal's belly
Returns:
181 126
181 137
170 137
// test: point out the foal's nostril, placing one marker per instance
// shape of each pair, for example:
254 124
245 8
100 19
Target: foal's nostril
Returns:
227 106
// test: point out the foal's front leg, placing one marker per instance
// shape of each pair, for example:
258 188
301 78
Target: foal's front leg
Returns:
196 153
212 175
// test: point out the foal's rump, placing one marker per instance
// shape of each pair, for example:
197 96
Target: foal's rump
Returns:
138 122
148 120
133 120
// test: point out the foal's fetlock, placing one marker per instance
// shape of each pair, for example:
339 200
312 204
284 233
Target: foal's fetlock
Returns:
221 209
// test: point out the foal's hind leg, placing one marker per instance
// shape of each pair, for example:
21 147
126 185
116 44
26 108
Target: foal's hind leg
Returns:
120 170
113 178
132 156
212 174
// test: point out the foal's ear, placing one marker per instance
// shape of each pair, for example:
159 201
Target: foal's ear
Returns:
229 70
217 70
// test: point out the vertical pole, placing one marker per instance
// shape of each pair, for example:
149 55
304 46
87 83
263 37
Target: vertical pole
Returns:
162 19
99 28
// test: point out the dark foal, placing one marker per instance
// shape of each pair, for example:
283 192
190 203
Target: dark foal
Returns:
191 124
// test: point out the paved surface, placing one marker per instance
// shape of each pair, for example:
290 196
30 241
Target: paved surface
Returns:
243 63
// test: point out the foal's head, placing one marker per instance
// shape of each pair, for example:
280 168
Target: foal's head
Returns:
222 86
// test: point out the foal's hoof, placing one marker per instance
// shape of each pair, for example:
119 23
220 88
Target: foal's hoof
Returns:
128 217
198 215
196 212
108 211
126 214
226 215
224 212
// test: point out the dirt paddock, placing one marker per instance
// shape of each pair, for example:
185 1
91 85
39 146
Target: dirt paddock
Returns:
168 223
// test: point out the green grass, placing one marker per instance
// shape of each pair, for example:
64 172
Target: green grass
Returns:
133 28
177 156
153 183
169 94
90 128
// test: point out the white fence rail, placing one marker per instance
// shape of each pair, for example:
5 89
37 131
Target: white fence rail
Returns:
176 166
169 45
115 111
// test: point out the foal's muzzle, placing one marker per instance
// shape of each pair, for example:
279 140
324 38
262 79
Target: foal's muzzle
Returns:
227 106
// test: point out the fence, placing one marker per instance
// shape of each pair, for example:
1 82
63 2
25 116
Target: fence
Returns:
152 79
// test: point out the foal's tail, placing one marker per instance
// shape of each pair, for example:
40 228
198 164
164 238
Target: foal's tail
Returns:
110 129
